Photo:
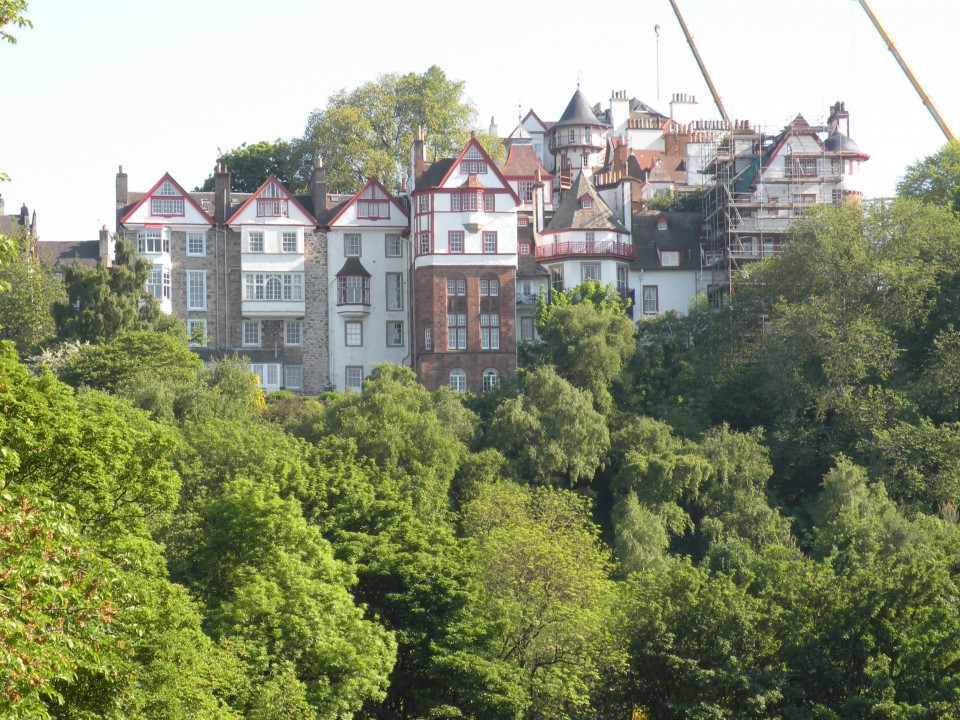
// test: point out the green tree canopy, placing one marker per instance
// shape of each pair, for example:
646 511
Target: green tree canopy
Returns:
251 165
934 179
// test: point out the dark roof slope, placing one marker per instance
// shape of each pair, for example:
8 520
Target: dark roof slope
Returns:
682 234
570 215
434 174
578 112
71 252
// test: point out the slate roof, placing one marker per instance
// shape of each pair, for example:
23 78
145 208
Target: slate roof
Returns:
838 142
578 112
570 216
682 234
353 267
71 252
432 176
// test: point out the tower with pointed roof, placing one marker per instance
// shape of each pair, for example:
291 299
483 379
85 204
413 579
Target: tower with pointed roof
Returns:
577 140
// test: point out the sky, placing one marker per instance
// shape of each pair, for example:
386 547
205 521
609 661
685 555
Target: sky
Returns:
159 87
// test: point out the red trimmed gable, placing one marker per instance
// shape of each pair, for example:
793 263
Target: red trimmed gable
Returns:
491 169
181 194
371 183
272 192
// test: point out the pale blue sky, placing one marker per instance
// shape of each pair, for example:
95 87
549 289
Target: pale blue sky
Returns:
159 86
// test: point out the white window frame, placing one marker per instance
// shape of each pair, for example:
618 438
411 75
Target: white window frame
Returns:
255 242
458 380
489 242
285 244
393 246
489 287
651 299
196 244
353 377
293 377
251 336
587 272
196 289
428 338
527 329
153 241
292 333
455 242
489 331
456 331
491 380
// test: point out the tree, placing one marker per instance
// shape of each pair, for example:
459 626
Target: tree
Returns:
550 432
103 302
368 131
25 307
546 575
251 165
934 179
588 338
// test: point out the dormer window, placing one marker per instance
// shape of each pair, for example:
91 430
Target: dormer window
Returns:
662 224
373 204
586 202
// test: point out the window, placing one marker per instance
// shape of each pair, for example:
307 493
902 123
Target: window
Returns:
808 199
292 332
394 291
159 282
251 333
456 241
354 377
196 244
152 240
468 201
197 332
287 287
489 202
353 334
457 331
473 153
373 204
394 248
293 377
394 334
167 189
571 135
525 190
458 380
423 243
586 202
651 303
423 203
622 275
268 375
288 242
589 271
351 245
491 380
522 221
590 236
489 331
353 290
801 166
836 197
456 286
670 258
489 287
428 339
455 202
196 289
473 167
526 329
272 207
166 206
489 242
524 248
255 241
556 278
662 225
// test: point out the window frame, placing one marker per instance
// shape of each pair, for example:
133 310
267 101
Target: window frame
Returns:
491 380
388 247
352 245
285 235
453 235
191 324
395 294
456 331
353 333
650 297
255 240
247 334
358 371
489 236
193 235
395 333
489 331
289 325
192 277
350 293
286 377
460 386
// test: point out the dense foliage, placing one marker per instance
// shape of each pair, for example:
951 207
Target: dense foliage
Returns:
743 513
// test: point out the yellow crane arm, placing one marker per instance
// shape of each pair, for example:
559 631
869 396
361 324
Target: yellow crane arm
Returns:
703 68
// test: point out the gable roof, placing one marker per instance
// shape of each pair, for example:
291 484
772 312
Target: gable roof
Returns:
371 183
272 180
571 216
187 197
682 235
427 179
522 162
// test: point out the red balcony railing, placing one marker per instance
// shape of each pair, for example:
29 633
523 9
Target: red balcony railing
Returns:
604 248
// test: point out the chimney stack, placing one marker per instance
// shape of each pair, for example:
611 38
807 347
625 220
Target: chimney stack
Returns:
418 157
318 188
221 194
537 205
122 196
106 247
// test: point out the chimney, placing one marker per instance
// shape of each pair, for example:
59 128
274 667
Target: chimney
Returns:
493 127
221 194
24 215
620 156
418 157
318 188
122 196
106 247
537 205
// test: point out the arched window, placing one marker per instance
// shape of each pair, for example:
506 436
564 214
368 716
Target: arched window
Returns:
458 380
491 380
274 288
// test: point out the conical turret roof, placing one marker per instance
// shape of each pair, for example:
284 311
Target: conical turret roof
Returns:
578 112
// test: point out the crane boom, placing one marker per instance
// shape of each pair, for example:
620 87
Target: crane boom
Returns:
703 68
903 66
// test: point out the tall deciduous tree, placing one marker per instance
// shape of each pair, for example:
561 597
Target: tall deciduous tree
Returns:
103 302
250 165
935 179
25 306
368 131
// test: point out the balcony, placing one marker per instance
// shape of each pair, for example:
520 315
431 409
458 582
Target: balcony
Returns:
604 248
529 299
